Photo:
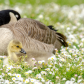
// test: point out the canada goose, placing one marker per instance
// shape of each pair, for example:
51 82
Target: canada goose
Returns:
38 40
13 48
39 31
26 28
8 15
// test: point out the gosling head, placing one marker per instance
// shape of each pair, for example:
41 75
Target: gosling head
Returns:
16 47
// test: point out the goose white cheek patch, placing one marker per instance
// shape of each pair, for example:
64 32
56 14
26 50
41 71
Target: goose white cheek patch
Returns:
12 17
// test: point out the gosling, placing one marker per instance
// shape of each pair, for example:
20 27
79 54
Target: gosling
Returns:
14 48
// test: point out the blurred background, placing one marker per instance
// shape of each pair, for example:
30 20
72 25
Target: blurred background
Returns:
41 2
50 12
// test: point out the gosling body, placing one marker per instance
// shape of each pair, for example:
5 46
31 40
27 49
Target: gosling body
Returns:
13 48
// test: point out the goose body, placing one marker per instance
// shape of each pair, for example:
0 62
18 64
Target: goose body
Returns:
38 31
38 40
5 37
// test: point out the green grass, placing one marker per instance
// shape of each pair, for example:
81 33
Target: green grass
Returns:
43 2
69 62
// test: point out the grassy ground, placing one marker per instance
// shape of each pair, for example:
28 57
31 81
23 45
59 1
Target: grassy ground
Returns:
66 67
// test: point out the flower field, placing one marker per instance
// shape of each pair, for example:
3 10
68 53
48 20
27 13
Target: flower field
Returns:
67 65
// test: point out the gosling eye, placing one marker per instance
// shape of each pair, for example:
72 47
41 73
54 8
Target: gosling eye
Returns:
17 46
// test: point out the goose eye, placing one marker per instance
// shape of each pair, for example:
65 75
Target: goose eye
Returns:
17 46
16 16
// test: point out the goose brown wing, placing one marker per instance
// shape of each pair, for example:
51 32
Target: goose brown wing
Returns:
36 30
57 39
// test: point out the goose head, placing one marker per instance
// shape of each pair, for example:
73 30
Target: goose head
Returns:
7 11
8 15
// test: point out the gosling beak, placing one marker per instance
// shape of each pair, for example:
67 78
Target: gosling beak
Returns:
22 51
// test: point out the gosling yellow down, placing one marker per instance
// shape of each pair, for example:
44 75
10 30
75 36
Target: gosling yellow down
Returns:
14 47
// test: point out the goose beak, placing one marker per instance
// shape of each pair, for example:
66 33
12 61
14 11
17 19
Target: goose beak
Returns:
22 51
